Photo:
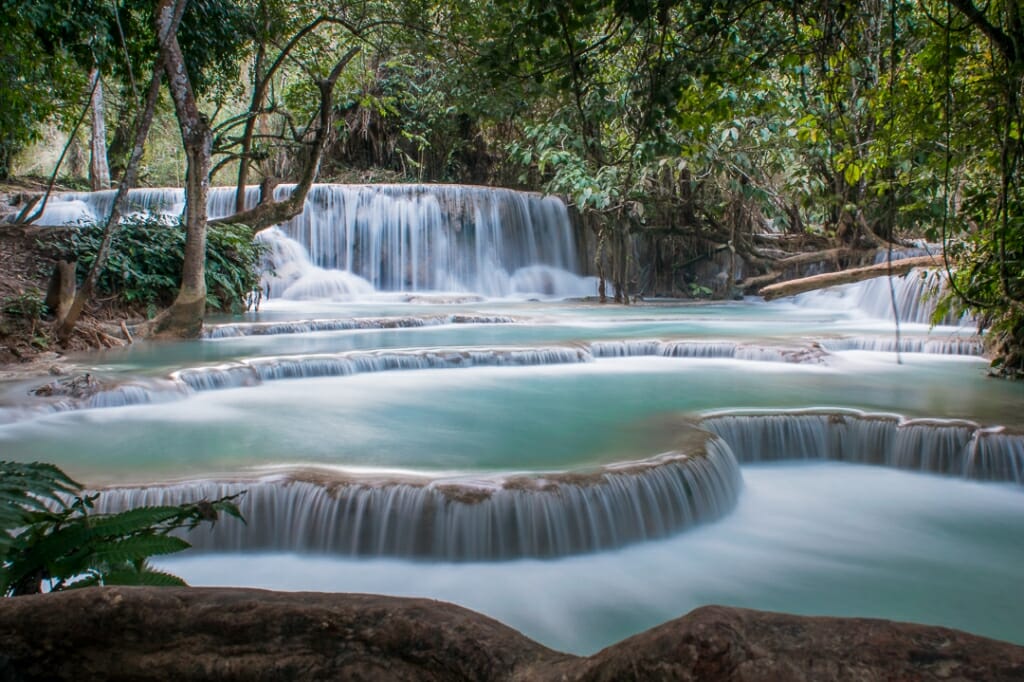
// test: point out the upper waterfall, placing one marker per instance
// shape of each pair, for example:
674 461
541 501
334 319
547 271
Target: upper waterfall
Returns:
491 241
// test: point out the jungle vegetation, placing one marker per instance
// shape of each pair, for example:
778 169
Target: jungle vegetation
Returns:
675 128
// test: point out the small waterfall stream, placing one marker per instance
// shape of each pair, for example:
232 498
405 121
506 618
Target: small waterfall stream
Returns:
948 447
916 295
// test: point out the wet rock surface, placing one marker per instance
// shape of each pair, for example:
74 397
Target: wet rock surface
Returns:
120 633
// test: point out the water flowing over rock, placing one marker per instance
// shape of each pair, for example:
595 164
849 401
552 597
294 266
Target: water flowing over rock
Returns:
225 331
492 241
952 448
124 633
252 372
454 519
810 353
916 296
952 345
256 371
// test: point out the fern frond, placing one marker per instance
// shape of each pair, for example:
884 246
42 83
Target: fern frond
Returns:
137 520
147 576
137 548
31 487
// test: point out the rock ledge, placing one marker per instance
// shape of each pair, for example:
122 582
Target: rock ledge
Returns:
119 633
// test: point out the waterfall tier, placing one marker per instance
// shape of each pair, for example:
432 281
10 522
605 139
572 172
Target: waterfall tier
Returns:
491 241
545 515
952 448
255 371
224 331
916 295
505 517
952 345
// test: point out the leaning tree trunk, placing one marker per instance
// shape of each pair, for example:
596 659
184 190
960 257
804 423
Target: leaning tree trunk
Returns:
99 170
68 315
185 316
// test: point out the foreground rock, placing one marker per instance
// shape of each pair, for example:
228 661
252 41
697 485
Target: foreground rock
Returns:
239 634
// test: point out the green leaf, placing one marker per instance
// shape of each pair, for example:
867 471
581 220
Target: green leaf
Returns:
138 548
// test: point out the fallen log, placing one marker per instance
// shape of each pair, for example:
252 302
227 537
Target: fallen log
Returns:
830 279
752 284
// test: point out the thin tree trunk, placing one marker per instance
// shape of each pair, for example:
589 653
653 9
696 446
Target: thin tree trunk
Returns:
259 93
99 170
65 323
185 316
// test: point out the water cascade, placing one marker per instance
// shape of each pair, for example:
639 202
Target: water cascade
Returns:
916 294
225 331
482 519
953 448
252 372
952 345
495 242
522 457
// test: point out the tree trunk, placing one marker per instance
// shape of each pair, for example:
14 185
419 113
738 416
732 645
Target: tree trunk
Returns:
185 316
61 293
99 170
67 319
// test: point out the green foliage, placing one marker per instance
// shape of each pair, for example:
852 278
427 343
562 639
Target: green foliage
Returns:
50 535
28 305
35 86
146 255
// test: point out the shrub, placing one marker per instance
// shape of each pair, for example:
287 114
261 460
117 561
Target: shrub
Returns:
143 267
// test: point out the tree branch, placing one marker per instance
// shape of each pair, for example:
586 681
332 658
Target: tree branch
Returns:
270 212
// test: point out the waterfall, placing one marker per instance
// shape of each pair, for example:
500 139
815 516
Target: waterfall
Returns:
810 353
257 370
917 294
234 330
546 515
492 241
953 345
953 448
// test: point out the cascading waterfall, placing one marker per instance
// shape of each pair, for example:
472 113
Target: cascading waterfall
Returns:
544 515
226 331
255 371
438 237
504 517
491 241
954 345
916 293
953 448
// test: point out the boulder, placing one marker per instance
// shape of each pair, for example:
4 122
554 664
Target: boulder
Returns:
135 633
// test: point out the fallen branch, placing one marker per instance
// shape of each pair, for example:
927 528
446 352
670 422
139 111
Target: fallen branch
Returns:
799 286
754 283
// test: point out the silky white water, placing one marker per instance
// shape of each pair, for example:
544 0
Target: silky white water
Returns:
823 539
418 410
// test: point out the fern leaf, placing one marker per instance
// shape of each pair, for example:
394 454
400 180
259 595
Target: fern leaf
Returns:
136 520
147 576
138 548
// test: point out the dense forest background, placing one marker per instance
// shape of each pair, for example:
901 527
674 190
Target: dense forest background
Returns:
676 129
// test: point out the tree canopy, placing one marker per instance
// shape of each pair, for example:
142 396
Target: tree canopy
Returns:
675 128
